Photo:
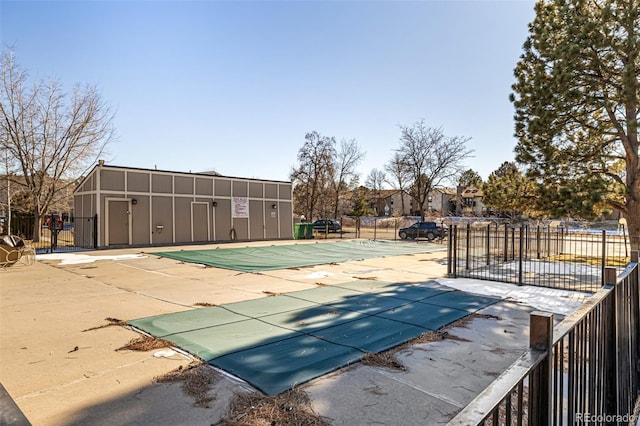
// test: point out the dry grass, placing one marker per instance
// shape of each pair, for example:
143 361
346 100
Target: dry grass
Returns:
443 332
446 335
289 408
112 322
387 359
204 304
590 260
197 380
432 336
145 343
463 322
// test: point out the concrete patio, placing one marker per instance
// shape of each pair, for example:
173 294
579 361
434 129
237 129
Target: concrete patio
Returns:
57 373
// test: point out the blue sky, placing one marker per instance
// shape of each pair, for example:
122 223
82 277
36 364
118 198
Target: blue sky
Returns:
235 85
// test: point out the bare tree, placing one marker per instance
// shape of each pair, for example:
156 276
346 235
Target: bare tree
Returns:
399 176
375 182
344 168
312 177
49 136
430 159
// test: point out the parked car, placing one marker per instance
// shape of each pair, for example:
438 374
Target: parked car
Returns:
324 225
428 230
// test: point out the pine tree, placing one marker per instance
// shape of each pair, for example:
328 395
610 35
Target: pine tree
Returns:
576 97
470 178
509 193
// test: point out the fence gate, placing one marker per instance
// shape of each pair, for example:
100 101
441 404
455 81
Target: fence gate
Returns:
539 256
72 234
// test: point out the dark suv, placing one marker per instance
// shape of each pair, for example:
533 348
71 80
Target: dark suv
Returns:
326 225
428 230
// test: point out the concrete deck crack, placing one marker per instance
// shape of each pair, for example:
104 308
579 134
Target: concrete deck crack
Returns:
420 389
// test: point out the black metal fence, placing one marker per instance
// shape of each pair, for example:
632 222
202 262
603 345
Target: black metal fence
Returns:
74 234
374 228
585 371
539 256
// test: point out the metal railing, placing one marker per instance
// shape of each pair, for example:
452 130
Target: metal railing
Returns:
585 371
539 256
374 228
75 234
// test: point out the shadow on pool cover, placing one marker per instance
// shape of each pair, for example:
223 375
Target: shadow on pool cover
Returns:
276 343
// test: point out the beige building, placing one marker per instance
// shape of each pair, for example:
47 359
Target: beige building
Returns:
153 207
472 202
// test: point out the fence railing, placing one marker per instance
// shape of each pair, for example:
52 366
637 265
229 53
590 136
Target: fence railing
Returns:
373 228
585 371
74 234
540 256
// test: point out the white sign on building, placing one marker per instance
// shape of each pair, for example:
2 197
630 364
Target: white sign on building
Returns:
240 207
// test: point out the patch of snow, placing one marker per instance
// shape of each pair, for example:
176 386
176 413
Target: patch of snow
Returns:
317 274
541 268
75 259
564 268
541 298
165 353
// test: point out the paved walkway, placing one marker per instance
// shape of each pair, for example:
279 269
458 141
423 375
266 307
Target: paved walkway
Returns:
58 373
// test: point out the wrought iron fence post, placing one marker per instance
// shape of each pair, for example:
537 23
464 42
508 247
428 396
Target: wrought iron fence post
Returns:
520 255
634 292
548 247
610 345
450 254
540 379
506 243
95 231
375 228
455 251
488 244
468 247
538 242
603 262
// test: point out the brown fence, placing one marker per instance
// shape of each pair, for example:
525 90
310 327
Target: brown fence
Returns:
540 256
585 371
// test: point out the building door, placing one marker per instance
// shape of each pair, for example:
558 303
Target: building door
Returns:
118 222
200 222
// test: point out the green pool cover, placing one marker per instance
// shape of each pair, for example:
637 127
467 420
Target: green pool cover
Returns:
277 342
254 259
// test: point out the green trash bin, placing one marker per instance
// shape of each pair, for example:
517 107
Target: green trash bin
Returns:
299 231
308 234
